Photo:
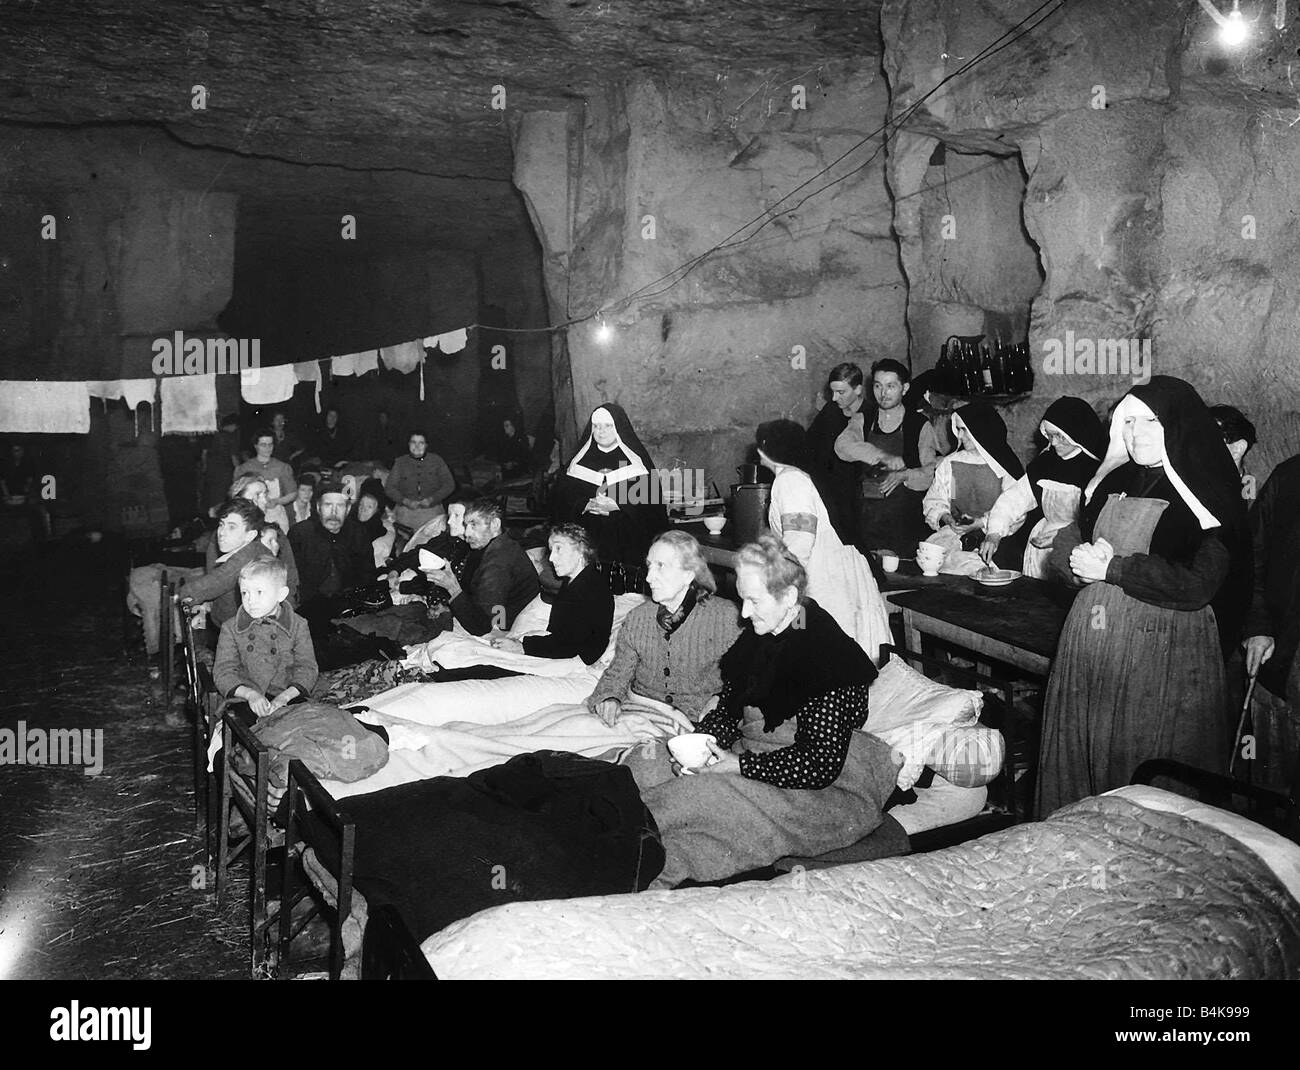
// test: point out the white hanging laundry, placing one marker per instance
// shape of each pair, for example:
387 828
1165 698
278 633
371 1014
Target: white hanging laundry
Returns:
57 408
355 363
189 404
267 386
134 391
308 371
451 342
403 358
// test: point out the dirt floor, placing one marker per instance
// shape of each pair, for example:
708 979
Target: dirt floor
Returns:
100 876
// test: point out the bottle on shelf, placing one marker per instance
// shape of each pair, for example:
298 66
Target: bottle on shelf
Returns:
943 372
986 369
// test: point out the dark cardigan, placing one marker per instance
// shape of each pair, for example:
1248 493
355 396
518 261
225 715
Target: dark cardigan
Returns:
582 615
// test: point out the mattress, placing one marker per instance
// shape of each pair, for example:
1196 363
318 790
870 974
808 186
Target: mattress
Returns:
1117 886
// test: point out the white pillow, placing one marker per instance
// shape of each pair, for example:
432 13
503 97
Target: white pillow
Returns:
968 755
535 618
911 712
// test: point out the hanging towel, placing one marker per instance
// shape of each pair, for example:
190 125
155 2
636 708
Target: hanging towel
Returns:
355 363
451 342
309 372
189 404
267 386
403 358
134 391
56 408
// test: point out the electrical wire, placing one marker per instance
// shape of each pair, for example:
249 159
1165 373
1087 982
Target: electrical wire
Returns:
890 128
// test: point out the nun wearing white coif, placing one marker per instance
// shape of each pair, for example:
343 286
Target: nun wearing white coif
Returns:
611 488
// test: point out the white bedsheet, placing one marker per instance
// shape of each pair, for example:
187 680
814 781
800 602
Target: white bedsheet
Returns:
1278 853
943 803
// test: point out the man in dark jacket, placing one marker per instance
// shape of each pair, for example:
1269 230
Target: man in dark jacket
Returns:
503 582
836 479
237 544
333 554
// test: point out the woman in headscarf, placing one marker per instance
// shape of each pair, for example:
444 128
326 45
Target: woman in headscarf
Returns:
610 488
1052 485
839 578
968 482
1163 556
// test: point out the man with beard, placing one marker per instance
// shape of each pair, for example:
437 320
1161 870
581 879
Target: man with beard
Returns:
333 554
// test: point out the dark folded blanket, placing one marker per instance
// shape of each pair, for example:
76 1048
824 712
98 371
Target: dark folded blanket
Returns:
545 825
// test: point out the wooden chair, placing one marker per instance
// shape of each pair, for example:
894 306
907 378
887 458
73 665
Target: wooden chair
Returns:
333 836
201 702
248 795
166 641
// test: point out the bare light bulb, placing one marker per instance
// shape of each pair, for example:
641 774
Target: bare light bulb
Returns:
1233 31
604 332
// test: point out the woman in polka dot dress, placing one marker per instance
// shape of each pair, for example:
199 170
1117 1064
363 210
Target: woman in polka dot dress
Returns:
791 773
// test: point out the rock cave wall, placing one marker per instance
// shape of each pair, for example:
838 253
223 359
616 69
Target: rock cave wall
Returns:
656 172
1164 214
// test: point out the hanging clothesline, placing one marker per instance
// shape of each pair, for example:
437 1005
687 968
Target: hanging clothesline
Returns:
189 402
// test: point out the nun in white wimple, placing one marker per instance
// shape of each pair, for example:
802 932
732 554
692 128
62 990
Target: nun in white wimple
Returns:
1161 554
968 483
610 488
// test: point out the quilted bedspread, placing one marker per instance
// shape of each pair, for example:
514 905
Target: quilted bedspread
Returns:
1104 888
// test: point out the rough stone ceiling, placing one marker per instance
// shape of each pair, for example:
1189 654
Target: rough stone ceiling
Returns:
394 97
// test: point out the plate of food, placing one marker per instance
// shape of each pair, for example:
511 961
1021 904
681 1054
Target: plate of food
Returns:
996 577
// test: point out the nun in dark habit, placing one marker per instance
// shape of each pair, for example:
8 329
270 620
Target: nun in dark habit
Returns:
1052 486
611 488
966 485
1163 556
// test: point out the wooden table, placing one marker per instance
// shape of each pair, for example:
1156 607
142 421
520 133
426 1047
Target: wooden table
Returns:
1018 624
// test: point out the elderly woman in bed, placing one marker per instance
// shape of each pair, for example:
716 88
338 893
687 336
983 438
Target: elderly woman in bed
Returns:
790 772
668 649
582 610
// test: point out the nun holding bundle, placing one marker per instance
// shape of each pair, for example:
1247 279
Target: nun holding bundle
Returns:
1052 486
966 486
611 488
1163 556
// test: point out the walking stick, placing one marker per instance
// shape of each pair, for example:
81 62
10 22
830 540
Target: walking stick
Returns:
1241 722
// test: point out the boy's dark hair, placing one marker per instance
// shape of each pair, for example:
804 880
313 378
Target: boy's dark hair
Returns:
308 479
244 509
889 364
487 508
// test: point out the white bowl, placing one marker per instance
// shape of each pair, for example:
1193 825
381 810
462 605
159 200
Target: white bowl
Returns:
691 750
715 524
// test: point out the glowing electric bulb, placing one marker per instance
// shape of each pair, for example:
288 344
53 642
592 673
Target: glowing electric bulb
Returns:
1233 30
604 333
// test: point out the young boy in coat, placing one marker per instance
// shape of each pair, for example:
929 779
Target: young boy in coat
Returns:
265 654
